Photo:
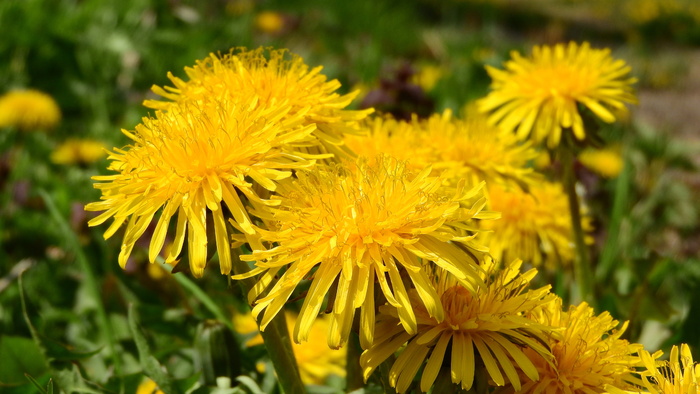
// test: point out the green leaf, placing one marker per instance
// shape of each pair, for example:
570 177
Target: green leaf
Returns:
36 384
150 364
59 351
20 356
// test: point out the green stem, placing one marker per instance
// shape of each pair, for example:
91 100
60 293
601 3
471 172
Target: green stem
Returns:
354 380
276 338
582 265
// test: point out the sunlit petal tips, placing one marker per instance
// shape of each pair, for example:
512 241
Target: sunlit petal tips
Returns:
538 96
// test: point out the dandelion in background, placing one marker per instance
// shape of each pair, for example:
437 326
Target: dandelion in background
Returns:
194 161
457 148
678 375
482 328
349 228
79 151
588 353
539 96
269 78
29 110
606 162
534 225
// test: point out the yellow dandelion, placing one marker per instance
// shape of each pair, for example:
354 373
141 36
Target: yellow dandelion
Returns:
607 162
315 359
195 160
539 95
588 353
535 225
148 386
484 326
79 151
456 148
269 22
269 78
428 76
28 110
349 227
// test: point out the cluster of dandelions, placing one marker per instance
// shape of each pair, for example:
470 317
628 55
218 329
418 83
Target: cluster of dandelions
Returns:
423 225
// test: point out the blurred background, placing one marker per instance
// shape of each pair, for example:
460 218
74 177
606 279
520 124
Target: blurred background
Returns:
97 60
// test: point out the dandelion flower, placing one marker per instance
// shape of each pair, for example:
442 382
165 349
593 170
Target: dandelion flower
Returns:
269 78
349 227
194 160
678 375
315 359
458 148
538 96
606 162
534 225
148 386
484 326
78 151
270 22
588 353
28 110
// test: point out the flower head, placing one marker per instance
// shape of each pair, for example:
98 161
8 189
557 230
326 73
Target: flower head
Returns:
374 221
534 225
269 78
78 151
457 148
539 95
193 160
484 326
28 110
588 353
678 375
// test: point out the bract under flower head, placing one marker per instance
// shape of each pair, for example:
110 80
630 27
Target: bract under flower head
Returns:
538 96
483 326
358 225
194 160
269 78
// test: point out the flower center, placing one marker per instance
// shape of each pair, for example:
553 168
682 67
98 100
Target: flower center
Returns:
457 304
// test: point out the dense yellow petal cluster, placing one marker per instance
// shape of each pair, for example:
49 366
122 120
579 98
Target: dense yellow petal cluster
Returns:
588 353
457 148
538 96
373 221
28 110
269 78
534 225
193 160
482 326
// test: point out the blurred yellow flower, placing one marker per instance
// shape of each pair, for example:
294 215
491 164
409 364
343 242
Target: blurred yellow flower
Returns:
679 375
349 227
538 96
428 76
484 326
148 386
28 110
607 162
270 22
315 359
269 78
198 160
535 225
79 151
588 353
